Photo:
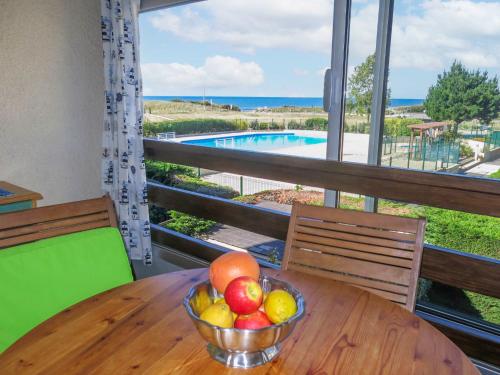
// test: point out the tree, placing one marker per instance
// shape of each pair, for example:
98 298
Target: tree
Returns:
461 95
360 87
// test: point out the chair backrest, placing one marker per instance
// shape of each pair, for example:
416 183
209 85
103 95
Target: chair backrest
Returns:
53 257
50 221
379 253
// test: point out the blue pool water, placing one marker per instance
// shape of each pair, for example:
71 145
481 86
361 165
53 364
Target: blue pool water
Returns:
258 142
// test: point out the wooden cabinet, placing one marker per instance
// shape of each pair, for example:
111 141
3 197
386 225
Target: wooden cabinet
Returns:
16 198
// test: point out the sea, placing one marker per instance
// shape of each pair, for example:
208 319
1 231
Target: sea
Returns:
249 103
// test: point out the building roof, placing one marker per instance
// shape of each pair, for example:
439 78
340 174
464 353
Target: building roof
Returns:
428 125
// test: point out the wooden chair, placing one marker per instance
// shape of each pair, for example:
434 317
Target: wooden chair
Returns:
53 257
375 252
35 224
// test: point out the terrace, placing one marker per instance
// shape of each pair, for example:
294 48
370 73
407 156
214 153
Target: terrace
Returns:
50 142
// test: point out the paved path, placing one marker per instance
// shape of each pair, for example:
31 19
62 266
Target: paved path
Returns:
484 169
257 243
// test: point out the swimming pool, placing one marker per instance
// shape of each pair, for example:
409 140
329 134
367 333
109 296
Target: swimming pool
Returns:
258 142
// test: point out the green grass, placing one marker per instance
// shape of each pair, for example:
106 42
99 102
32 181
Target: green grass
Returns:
495 174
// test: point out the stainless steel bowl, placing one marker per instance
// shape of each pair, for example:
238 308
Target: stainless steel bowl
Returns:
244 348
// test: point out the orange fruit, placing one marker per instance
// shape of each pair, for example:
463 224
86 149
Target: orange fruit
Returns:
219 315
231 265
280 306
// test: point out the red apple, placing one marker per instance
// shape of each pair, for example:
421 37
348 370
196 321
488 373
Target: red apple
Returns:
243 295
256 320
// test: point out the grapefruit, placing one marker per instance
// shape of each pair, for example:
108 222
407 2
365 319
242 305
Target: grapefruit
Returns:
231 265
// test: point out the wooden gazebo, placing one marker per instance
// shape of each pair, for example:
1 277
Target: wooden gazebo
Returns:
429 129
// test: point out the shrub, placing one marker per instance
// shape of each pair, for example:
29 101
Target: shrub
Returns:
316 123
187 224
198 126
204 187
397 126
157 214
462 231
276 126
466 151
164 173
294 124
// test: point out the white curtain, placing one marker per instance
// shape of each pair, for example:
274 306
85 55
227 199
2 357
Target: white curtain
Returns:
123 169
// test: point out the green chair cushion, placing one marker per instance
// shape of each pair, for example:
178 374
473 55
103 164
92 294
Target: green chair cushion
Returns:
41 278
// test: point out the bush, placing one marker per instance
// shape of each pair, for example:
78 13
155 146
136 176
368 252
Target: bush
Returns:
293 124
462 231
466 151
199 126
316 123
397 126
187 224
157 214
204 187
164 173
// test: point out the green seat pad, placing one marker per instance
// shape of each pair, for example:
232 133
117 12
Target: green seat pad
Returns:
41 278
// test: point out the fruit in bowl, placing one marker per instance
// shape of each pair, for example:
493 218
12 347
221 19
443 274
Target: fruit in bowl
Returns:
231 265
280 306
242 314
243 295
219 315
255 320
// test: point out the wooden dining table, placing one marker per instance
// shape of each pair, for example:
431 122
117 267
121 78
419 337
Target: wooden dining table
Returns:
143 328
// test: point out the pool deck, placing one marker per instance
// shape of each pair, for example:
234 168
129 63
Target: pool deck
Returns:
355 145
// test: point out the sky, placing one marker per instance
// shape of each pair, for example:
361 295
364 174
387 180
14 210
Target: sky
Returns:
282 47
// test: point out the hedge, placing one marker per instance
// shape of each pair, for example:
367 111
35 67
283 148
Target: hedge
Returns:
164 173
197 126
397 126
204 187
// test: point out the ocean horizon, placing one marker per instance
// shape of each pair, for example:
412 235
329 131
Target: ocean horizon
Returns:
248 103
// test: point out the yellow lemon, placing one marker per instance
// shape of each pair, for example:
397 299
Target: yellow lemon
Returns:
280 306
201 301
219 300
219 315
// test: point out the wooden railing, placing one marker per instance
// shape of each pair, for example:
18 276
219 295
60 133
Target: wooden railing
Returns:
467 271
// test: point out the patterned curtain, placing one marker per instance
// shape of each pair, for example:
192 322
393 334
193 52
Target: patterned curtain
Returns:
123 168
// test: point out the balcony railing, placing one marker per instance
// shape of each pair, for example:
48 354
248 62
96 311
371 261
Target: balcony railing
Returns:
466 271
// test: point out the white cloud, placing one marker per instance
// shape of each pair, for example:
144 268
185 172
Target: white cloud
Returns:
217 72
248 25
429 34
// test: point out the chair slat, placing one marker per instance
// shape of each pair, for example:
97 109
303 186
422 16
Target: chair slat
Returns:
383 259
353 267
44 222
354 246
356 238
55 212
360 218
398 298
352 228
354 280
378 253
52 233
53 225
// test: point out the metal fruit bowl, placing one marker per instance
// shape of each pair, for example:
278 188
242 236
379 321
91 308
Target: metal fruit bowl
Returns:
245 348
